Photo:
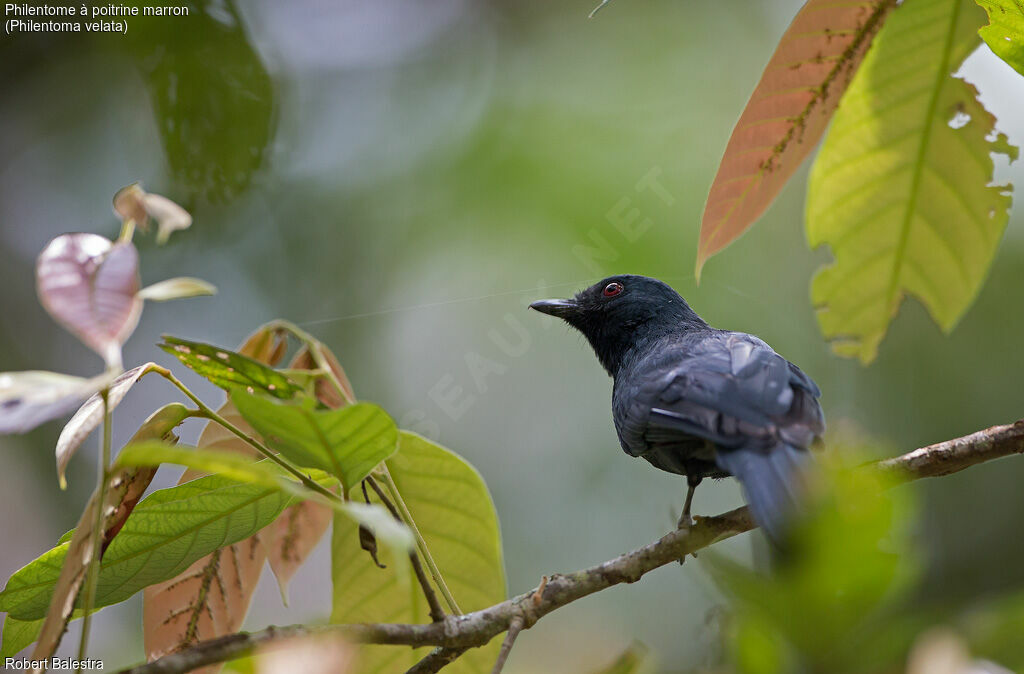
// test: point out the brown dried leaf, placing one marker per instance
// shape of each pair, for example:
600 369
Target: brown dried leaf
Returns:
787 113
325 390
134 204
267 345
124 491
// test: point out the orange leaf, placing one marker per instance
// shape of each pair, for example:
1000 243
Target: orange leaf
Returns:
787 113
292 537
208 600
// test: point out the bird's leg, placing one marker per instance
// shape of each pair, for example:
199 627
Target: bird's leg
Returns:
685 520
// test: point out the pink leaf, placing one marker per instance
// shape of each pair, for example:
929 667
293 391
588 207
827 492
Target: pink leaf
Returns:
90 415
89 286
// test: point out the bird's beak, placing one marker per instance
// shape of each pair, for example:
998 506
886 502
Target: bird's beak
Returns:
559 308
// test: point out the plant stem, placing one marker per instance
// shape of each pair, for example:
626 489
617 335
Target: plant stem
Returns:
436 610
127 230
421 544
92 574
210 414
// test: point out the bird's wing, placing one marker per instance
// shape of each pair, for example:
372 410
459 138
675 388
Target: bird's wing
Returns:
729 388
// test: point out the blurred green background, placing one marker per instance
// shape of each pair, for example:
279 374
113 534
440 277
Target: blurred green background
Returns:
401 179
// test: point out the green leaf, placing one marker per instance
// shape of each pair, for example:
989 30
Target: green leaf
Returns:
757 648
901 188
177 288
264 473
454 512
631 661
1004 33
216 131
227 369
994 628
168 531
853 558
347 442
18 634
227 464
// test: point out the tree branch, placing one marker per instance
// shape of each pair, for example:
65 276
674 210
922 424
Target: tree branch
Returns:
459 633
438 658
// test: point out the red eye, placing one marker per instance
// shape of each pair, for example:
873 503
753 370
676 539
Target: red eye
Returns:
613 289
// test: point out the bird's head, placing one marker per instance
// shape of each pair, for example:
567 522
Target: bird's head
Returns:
621 313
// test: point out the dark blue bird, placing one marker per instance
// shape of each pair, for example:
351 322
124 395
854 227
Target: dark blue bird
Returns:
698 401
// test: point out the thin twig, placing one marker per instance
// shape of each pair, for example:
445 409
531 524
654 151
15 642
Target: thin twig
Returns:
436 660
514 628
479 627
436 611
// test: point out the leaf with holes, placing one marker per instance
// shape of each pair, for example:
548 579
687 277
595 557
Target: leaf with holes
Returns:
901 190
347 442
89 286
787 113
1004 33
227 369
454 512
90 415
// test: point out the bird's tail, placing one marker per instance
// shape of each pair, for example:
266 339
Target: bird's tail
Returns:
773 481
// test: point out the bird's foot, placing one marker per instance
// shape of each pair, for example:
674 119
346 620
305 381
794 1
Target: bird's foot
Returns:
685 523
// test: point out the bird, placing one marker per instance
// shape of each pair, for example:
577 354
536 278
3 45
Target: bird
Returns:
698 401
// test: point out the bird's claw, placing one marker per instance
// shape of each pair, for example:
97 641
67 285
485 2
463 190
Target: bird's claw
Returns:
685 523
